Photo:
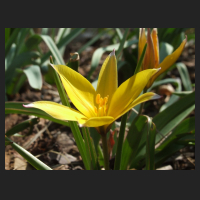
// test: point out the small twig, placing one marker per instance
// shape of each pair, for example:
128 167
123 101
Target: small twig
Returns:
36 136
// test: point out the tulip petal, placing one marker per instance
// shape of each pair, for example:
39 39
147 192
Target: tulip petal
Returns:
143 98
149 58
57 111
108 81
128 91
79 89
142 41
154 35
168 61
98 121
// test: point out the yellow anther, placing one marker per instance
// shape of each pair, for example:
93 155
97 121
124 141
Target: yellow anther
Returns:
101 102
98 98
105 100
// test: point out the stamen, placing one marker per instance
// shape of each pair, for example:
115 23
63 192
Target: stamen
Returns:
98 98
105 100
101 102
102 107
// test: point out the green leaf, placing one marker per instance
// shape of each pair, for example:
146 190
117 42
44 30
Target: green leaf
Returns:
166 153
31 43
17 107
63 32
91 153
12 39
93 40
120 141
150 145
21 38
121 46
173 115
99 52
35 162
173 98
119 33
95 136
53 48
165 50
63 42
44 31
166 121
7 34
23 125
184 76
182 93
130 147
141 59
34 76
10 56
184 128
175 82
18 62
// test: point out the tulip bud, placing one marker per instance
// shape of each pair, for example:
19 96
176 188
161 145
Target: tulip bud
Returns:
149 59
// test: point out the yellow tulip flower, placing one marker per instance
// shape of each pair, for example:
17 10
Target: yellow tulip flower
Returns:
102 107
151 59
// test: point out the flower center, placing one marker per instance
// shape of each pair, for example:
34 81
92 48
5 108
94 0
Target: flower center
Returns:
102 105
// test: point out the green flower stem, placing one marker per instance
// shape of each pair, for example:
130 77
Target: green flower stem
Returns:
120 142
73 125
105 151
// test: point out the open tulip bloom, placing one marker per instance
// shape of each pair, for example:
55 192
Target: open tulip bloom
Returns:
102 107
151 59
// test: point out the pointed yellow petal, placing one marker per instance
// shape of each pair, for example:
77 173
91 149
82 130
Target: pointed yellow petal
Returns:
143 98
107 81
57 111
79 89
149 58
168 61
154 35
129 91
98 121
142 41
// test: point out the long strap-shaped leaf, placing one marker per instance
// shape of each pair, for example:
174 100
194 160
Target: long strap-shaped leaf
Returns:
166 121
63 42
35 162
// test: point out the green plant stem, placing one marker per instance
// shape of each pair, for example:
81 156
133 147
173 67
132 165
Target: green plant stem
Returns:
105 151
142 104
120 142
73 125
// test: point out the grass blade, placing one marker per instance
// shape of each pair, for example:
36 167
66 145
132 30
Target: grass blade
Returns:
20 127
35 162
184 76
64 41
